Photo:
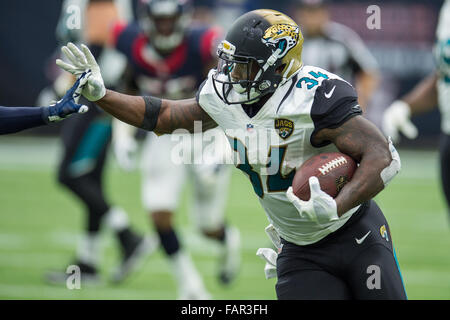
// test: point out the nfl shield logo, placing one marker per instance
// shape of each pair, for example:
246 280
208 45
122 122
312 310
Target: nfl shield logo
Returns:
284 127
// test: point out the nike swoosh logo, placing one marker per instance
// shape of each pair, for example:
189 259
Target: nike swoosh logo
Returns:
361 240
329 94
356 108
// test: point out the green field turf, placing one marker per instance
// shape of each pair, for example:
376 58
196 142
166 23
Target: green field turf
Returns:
40 224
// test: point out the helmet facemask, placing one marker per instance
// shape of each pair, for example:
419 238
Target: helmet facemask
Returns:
242 77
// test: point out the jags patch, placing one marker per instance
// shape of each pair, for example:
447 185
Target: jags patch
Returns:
284 127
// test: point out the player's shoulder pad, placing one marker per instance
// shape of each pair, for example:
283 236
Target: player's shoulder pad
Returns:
330 94
132 28
335 101
124 36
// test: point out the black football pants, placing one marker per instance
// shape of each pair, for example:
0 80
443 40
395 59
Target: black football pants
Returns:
355 262
86 138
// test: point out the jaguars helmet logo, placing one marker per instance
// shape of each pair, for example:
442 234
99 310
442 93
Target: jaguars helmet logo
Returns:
281 36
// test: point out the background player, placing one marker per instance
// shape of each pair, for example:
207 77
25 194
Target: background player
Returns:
261 73
432 91
85 141
336 48
168 56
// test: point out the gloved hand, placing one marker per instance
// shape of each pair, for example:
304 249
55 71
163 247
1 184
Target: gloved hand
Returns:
83 61
270 256
69 102
396 118
320 208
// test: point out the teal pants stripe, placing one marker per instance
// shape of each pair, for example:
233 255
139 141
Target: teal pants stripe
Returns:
90 147
398 267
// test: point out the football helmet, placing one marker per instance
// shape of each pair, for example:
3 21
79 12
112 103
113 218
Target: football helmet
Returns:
261 51
165 21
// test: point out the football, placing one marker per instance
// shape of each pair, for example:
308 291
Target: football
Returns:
333 170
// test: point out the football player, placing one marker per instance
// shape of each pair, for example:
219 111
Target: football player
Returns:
432 91
329 248
15 119
168 56
85 145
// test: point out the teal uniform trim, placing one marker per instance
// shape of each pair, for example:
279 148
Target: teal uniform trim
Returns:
92 143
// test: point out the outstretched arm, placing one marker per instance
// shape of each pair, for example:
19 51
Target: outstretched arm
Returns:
160 116
377 158
15 119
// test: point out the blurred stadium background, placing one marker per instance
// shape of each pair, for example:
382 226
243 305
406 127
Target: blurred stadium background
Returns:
39 222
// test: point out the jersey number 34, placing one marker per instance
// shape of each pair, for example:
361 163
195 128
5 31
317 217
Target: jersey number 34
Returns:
274 182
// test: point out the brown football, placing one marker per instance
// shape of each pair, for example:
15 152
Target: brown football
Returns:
333 170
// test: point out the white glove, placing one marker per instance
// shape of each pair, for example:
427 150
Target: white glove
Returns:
83 61
124 145
270 256
396 118
320 208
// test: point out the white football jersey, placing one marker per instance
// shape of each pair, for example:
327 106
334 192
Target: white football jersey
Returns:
272 144
442 52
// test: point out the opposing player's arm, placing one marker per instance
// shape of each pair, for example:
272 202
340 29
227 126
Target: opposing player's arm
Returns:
158 115
362 140
15 119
